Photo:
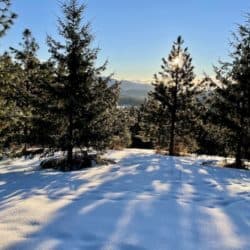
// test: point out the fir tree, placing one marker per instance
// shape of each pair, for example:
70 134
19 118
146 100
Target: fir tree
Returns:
231 105
154 125
135 126
9 122
122 134
212 138
6 20
84 103
26 85
174 93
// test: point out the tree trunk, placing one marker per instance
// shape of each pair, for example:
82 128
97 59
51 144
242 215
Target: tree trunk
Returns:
172 134
70 139
238 160
238 155
173 120
25 141
69 155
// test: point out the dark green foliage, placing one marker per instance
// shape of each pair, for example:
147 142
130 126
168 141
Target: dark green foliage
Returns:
28 93
61 164
169 110
121 127
9 122
136 128
81 101
66 103
212 139
24 91
25 117
230 107
6 72
153 124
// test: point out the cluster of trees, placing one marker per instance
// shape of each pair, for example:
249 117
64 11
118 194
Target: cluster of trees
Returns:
209 116
66 103
62 103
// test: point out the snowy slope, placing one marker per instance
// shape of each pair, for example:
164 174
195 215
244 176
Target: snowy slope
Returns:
144 202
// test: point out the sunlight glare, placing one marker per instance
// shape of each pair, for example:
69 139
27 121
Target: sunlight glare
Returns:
177 62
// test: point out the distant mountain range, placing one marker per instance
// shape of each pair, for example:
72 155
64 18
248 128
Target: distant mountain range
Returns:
133 93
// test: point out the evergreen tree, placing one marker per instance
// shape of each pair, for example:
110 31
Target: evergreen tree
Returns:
121 128
136 128
6 16
6 20
9 71
174 94
24 97
231 105
212 138
154 126
83 102
24 91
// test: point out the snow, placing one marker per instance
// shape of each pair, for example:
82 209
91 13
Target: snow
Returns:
144 202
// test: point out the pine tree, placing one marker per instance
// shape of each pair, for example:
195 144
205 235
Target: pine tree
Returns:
154 125
135 126
231 105
6 16
24 93
84 103
212 138
174 93
6 20
9 71
24 97
122 134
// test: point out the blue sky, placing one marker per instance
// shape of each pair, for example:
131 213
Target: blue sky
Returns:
135 34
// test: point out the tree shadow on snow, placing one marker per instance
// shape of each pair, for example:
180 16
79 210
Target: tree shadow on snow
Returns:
142 202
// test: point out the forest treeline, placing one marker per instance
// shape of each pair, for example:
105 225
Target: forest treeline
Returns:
66 103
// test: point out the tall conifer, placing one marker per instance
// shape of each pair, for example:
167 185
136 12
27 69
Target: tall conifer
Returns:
231 106
84 101
174 92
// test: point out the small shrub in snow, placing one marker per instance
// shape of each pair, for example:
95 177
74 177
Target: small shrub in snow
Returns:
61 163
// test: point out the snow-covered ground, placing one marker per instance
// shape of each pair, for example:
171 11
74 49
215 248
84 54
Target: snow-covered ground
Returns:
144 202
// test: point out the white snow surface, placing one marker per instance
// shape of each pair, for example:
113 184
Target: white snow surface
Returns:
144 202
